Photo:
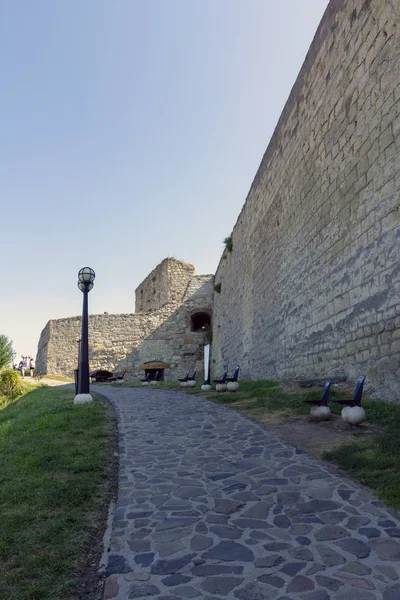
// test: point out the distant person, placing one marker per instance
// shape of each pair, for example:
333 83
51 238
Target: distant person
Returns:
15 367
22 367
32 366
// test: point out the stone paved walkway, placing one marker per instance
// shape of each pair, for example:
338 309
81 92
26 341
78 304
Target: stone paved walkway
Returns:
211 505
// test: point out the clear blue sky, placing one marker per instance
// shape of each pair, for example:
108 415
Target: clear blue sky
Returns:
131 130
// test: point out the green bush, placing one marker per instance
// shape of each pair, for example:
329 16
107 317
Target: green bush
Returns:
10 383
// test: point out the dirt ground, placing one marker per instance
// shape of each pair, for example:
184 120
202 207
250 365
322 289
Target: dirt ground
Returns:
314 437
305 433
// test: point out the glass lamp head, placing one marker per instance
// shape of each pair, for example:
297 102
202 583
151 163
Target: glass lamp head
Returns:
86 275
85 286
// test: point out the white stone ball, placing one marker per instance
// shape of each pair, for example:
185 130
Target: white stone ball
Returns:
354 415
191 384
145 383
153 382
83 399
320 413
183 384
232 386
344 413
205 387
221 387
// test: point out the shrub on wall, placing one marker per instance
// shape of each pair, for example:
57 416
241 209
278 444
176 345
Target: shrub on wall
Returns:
207 330
228 243
217 288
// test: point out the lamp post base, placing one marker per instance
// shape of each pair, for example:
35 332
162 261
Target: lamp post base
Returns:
83 399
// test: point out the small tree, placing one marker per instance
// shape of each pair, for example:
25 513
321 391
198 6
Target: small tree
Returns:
6 351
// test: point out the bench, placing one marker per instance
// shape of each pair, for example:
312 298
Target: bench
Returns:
184 379
117 376
221 383
352 411
146 380
232 384
222 379
155 379
191 381
235 375
319 407
323 401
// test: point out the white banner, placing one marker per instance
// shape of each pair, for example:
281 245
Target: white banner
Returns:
207 363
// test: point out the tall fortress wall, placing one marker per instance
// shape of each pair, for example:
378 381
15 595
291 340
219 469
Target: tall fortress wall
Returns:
311 287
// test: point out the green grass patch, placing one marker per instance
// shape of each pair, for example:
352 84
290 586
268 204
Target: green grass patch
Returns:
371 463
267 396
58 378
375 461
54 468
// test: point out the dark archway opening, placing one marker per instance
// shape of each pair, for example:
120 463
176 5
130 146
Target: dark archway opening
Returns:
200 320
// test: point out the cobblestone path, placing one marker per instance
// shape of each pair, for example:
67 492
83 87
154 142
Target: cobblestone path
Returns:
211 505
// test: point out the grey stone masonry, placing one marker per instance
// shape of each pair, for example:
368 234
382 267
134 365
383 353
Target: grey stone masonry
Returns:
212 505
166 284
312 285
161 330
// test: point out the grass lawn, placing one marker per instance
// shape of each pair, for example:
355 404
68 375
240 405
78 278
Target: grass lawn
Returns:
59 378
52 377
375 461
55 486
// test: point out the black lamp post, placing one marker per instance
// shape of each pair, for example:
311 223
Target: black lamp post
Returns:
76 371
85 284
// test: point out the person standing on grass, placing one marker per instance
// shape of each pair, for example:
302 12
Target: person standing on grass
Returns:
22 366
32 366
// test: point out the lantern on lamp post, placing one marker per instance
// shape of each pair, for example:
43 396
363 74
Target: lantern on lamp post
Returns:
86 278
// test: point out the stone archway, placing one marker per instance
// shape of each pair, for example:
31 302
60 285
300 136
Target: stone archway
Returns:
199 320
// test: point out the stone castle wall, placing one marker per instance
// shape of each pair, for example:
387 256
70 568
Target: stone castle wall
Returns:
166 284
111 339
126 341
174 341
312 285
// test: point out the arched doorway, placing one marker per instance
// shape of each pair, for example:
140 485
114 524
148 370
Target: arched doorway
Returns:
200 321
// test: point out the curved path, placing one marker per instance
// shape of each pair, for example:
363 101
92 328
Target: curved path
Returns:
212 505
